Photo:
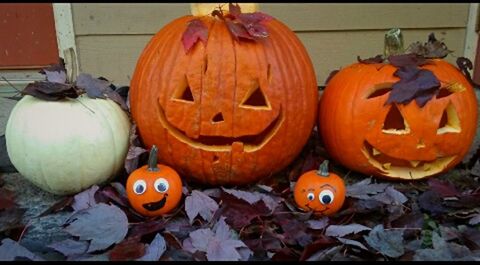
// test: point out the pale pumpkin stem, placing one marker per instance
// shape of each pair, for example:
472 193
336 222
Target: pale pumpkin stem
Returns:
152 159
323 169
393 43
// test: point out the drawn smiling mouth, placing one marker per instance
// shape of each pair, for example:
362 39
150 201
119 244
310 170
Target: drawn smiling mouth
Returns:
153 206
404 169
250 143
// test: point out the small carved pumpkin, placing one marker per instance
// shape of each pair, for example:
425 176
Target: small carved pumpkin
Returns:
227 112
154 189
397 141
320 191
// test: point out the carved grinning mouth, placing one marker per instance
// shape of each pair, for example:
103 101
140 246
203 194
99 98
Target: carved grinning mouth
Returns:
250 143
404 169
153 206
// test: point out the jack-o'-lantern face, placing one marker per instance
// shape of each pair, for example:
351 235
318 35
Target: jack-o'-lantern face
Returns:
395 140
153 193
322 194
228 112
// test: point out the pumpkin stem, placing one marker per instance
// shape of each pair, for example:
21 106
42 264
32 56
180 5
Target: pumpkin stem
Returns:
393 42
152 159
323 169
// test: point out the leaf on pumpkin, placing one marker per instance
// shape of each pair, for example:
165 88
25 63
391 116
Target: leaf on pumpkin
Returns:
387 242
433 48
200 204
155 249
372 60
85 199
331 75
414 83
11 250
94 87
70 247
407 60
343 230
102 224
219 244
196 30
56 72
253 197
50 91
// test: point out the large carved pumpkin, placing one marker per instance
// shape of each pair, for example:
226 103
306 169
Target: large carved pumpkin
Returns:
227 111
397 141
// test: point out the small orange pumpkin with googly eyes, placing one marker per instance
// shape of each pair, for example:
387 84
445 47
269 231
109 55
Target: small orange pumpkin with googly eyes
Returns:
154 189
320 191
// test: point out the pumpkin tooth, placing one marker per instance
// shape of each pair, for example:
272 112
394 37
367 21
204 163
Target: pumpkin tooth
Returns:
414 163
387 165
427 166
375 152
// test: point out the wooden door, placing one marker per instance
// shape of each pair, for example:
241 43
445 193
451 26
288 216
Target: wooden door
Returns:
27 36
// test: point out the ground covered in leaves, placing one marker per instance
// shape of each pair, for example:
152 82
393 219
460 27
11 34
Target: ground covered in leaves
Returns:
434 219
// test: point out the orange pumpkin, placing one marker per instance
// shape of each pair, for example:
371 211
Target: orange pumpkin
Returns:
396 141
226 111
154 189
320 191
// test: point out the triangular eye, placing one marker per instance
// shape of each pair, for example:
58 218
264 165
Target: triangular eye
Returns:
380 90
394 122
183 92
255 99
449 123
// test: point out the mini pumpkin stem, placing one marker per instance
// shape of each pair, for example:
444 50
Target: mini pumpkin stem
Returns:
152 159
323 169
393 42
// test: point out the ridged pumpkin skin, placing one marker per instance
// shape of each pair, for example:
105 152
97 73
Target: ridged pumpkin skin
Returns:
217 135
62 147
351 119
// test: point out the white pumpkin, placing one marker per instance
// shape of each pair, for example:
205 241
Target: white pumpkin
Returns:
66 146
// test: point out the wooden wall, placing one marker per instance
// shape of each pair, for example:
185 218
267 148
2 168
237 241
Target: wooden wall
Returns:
110 37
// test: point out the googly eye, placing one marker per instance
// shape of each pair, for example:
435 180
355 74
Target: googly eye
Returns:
326 196
139 187
310 196
161 185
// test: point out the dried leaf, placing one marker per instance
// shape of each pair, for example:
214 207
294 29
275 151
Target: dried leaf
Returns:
196 30
372 60
85 199
390 196
331 75
347 241
239 213
50 91
474 220
102 224
219 244
70 247
343 230
11 218
10 250
253 197
56 76
199 203
389 243
318 224
134 151
238 31
432 202
443 251
60 205
145 228
414 83
6 199
406 60
431 49
94 87
155 249
129 249
444 188
294 231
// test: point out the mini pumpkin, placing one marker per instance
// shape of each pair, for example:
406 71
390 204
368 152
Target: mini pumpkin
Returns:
364 132
320 191
154 189
68 145
228 111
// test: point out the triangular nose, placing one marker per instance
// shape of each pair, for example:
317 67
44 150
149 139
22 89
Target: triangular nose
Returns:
217 118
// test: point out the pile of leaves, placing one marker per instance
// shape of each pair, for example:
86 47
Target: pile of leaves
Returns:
434 219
